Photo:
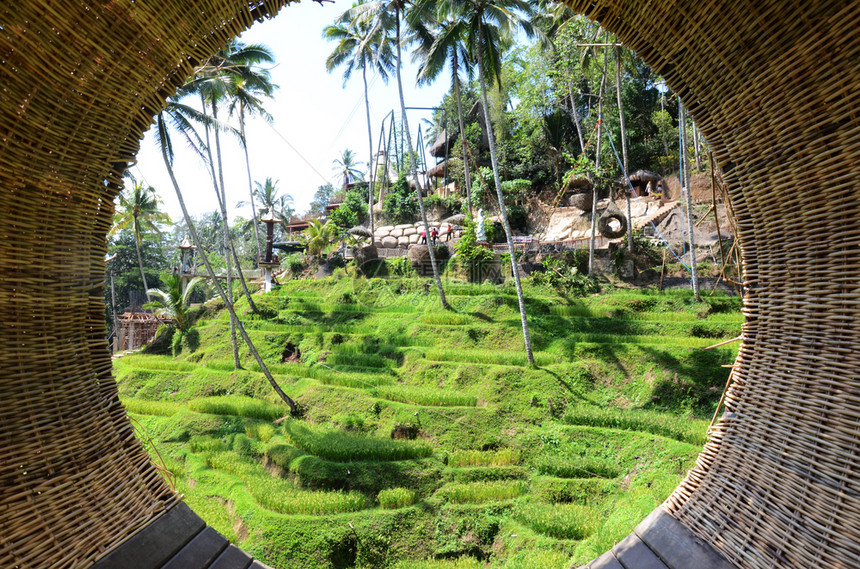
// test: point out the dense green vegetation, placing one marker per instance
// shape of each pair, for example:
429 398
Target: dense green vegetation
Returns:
425 440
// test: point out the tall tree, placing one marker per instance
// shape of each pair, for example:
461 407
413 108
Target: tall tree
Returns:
138 209
250 84
445 44
384 16
163 139
491 24
347 167
214 81
618 76
358 49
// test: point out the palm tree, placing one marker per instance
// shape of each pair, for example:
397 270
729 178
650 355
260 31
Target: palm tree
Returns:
382 16
356 48
446 44
163 139
172 302
139 210
490 25
214 81
319 237
266 195
249 84
347 167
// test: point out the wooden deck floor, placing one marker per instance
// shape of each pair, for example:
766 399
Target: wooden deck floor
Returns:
660 542
178 540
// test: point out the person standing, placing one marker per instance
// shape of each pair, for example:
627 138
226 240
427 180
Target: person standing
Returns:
434 233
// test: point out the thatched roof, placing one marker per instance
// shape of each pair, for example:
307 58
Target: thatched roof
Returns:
443 145
360 231
439 170
644 176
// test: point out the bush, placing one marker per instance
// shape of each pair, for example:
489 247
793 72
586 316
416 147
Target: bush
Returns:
400 205
400 267
565 278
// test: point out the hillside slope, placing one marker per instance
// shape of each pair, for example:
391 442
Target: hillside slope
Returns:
424 435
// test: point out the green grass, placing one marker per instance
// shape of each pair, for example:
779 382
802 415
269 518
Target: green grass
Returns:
342 487
490 357
482 492
344 447
150 407
459 563
504 457
561 521
240 406
280 495
433 397
394 498
681 428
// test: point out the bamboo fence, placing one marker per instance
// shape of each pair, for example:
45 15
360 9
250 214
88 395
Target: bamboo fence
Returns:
773 86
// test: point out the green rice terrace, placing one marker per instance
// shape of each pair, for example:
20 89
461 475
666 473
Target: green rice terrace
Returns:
426 440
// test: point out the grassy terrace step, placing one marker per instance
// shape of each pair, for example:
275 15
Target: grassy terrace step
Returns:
345 447
424 396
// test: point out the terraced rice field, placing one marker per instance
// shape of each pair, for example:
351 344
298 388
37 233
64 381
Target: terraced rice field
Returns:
426 440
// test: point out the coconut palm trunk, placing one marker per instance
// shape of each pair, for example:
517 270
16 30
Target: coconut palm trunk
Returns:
596 166
371 166
413 168
139 256
688 197
623 145
228 282
228 301
576 120
244 142
508 234
455 67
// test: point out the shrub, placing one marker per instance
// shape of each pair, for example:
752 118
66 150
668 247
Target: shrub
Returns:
400 267
396 498
400 205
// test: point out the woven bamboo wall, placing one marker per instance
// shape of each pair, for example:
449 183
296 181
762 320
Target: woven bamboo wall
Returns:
775 88
772 84
80 82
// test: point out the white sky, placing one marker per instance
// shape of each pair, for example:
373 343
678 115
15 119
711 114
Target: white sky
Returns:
312 110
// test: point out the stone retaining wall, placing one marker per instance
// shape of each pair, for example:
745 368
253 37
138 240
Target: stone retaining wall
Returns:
401 236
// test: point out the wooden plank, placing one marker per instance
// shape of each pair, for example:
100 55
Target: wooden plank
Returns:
155 544
676 545
200 551
258 565
232 558
605 561
632 553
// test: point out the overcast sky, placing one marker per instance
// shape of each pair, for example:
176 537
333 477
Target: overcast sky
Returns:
316 117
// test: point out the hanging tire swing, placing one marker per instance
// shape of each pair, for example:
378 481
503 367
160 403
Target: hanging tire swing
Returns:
604 223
